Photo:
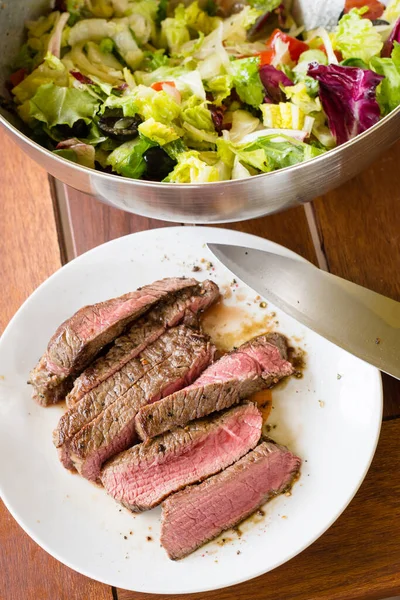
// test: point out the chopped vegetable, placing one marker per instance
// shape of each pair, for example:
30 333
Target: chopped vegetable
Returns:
357 38
348 96
388 92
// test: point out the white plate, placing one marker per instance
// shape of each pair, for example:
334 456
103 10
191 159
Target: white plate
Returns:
331 418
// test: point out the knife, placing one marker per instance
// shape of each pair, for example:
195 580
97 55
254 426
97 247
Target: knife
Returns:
358 320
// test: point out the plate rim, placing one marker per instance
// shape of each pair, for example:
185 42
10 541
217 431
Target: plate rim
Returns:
106 581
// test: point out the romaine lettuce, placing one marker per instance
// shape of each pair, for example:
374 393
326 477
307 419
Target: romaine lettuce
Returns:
236 26
196 113
158 132
298 94
243 123
198 20
56 105
174 31
147 103
51 70
357 37
388 92
275 152
191 169
246 80
127 159
286 115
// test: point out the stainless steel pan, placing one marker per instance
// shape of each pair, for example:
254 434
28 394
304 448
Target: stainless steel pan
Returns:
209 202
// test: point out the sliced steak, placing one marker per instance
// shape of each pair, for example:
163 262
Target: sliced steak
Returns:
79 339
180 341
182 306
256 365
200 513
107 392
143 476
113 430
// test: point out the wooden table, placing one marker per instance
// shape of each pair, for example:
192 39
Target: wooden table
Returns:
354 232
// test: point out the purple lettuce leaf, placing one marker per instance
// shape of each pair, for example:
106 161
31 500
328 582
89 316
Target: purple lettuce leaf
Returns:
271 78
393 37
348 97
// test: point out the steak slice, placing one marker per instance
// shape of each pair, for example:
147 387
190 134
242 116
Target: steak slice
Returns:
79 339
107 392
113 430
256 365
182 306
200 513
144 475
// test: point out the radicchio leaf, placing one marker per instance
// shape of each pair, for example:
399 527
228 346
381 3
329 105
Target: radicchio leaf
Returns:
84 153
217 115
271 79
81 78
394 37
348 96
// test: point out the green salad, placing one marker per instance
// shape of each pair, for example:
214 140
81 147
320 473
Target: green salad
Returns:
193 93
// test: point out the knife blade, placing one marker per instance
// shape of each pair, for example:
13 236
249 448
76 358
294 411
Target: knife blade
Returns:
358 320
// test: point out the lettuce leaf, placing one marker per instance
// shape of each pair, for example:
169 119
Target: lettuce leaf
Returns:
246 80
348 97
393 37
158 132
388 92
392 12
51 70
298 95
191 169
275 152
196 113
147 103
198 20
77 151
243 123
306 58
236 26
285 115
174 31
161 11
56 105
220 87
128 160
357 37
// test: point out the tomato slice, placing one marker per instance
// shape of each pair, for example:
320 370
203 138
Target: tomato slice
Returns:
18 76
375 8
266 57
158 85
296 47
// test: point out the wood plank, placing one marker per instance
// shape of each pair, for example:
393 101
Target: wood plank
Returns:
29 254
29 573
289 229
359 225
357 559
28 238
93 223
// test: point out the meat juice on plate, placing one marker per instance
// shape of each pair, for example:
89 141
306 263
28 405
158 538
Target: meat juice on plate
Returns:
230 325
